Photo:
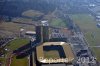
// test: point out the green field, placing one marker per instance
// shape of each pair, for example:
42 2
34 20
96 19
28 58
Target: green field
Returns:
15 44
32 13
51 54
91 32
20 19
57 22
3 60
10 28
19 62
88 26
96 52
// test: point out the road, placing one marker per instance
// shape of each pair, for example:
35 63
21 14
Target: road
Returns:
79 42
84 45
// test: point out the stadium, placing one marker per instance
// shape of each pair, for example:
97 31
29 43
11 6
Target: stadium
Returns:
54 52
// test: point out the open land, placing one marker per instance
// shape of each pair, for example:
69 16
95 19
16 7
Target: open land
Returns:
13 45
57 22
91 32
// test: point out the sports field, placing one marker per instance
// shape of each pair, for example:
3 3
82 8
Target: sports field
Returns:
19 62
32 13
51 54
15 44
57 22
87 24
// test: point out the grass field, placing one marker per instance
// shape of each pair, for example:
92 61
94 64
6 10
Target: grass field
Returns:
57 22
3 60
10 28
87 24
19 62
32 13
51 54
96 52
20 19
13 45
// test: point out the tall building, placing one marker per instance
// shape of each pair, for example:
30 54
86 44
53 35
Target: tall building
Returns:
42 32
